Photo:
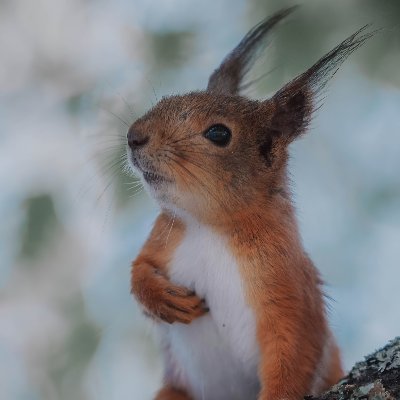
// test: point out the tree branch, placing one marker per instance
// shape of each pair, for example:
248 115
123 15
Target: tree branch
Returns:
376 378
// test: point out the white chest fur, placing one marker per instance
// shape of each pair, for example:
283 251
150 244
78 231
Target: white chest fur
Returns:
216 356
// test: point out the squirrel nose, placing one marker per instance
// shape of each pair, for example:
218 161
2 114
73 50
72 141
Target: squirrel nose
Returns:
136 139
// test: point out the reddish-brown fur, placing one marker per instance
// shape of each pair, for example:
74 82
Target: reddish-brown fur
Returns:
170 393
284 289
241 192
159 297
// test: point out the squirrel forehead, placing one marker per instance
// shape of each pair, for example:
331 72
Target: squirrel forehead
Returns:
198 108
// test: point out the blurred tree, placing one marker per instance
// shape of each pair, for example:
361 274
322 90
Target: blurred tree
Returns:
41 223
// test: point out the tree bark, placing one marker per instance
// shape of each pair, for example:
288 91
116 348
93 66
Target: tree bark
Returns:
376 378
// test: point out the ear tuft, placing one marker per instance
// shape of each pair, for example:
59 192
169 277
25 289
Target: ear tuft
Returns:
320 73
295 102
227 78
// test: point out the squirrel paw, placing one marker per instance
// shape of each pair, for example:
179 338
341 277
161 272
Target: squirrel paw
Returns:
178 304
165 301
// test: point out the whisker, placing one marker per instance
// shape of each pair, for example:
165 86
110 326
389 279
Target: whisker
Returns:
218 177
197 165
130 108
107 135
106 143
170 229
118 117
164 229
136 194
127 169
202 153
132 183
134 187
172 133
189 144
111 168
154 90
115 149
104 190
99 156
182 139
107 216
100 170
202 185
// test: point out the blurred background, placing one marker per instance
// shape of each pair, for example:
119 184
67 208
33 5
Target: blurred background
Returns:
73 75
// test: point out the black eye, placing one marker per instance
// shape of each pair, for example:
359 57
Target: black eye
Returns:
219 134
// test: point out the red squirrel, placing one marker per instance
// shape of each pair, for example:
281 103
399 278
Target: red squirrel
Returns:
237 301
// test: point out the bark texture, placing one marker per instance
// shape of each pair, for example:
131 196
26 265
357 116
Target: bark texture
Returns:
375 378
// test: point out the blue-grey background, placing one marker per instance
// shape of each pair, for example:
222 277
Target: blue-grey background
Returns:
71 221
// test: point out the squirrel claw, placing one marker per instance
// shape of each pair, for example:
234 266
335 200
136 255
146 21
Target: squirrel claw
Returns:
181 305
163 300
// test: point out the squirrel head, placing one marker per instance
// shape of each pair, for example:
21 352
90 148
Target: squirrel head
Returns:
213 151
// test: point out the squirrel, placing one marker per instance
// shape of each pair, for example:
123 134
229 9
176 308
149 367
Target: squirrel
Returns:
237 301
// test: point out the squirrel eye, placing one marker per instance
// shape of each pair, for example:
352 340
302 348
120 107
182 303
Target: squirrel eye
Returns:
219 134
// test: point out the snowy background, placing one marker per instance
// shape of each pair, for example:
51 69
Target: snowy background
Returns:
71 73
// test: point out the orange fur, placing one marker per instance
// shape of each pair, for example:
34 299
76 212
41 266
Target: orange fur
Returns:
284 289
240 191
170 393
160 298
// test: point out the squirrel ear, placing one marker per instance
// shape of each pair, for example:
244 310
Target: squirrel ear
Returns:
293 105
226 79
